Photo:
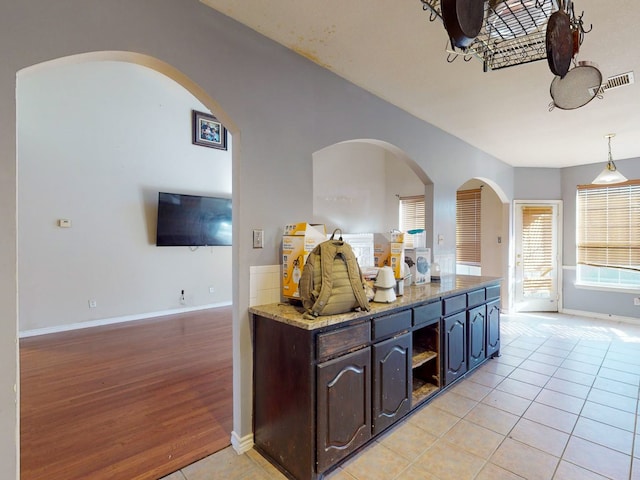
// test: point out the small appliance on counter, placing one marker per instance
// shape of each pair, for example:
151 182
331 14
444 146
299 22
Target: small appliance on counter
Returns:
385 285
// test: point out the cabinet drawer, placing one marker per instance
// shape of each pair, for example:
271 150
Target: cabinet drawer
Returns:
455 304
343 340
493 292
426 313
390 324
475 298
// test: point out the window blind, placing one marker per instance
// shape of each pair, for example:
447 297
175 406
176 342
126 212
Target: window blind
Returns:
608 225
468 205
537 248
412 216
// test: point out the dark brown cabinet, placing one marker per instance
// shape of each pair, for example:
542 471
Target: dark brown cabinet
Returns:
321 393
493 328
455 347
476 323
391 381
344 406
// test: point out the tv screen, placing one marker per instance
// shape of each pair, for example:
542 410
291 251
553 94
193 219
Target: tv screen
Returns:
194 221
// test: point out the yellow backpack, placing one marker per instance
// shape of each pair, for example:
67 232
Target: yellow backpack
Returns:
331 281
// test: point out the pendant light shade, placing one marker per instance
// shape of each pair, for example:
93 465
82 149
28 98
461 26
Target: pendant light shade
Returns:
610 174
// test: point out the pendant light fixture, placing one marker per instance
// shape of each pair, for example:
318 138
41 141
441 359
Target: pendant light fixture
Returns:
610 174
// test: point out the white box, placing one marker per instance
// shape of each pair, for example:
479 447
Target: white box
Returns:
419 262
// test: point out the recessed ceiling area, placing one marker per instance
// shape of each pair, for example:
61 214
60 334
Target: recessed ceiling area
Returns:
393 50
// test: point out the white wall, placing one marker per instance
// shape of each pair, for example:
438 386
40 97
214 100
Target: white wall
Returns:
96 142
280 108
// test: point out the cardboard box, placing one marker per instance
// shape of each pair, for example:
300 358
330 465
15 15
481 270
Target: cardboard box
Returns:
419 262
387 251
295 249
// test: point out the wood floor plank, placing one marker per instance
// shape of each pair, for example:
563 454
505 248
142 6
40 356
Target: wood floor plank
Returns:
126 401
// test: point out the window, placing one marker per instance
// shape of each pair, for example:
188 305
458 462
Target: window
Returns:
608 235
468 205
412 215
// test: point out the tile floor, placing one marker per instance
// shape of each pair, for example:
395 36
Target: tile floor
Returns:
561 403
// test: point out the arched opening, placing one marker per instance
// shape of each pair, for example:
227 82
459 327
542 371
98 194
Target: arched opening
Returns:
130 154
482 237
356 185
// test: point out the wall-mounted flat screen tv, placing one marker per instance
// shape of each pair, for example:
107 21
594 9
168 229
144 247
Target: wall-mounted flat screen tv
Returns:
194 221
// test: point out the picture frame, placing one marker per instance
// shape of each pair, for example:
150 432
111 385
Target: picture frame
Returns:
208 131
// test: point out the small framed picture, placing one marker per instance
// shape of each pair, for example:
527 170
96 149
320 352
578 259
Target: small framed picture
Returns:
208 131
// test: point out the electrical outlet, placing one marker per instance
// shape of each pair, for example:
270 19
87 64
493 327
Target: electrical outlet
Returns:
636 301
212 290
93 304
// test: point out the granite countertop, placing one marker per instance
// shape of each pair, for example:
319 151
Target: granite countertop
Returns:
413 295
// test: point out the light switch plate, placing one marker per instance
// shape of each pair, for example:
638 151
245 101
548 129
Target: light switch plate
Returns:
258 238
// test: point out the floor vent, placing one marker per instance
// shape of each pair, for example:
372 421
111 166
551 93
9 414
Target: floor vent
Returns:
616 81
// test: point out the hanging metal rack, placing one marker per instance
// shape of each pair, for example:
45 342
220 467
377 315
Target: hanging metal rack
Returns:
513 32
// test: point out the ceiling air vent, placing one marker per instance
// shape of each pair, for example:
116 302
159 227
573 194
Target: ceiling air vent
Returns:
616 81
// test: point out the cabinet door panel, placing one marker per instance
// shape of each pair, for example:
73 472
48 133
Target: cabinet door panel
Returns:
391 381
493 328
455 346
344 406
476 323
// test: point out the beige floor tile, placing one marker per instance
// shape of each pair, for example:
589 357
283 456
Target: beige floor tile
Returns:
485 378
613 400
449 462
473 438
521 389
225 464
579 366
494 472
625 377
538 367
408 440
568 388
528 376
414 472
610 416
497 368
510 360
614 386
575 377
569 471
553 351
516 351
605 435
492 418
623 366
599 459
339 474
589 358
636 449
635 474
551 417
433 420
507 402
454 403
560 401
472 390
376 463
545 358
524 460
540 436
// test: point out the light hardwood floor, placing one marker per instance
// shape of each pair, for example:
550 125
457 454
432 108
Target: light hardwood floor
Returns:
136 400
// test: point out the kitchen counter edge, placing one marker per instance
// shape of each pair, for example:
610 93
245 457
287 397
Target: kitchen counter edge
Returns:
413 296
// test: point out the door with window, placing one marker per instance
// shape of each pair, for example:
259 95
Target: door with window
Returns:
537 256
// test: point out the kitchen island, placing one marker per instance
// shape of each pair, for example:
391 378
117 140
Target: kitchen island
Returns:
325 387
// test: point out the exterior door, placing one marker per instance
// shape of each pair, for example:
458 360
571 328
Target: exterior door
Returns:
537 256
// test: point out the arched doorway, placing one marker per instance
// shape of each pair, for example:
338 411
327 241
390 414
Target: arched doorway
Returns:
124 159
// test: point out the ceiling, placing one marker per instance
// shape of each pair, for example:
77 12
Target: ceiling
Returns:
393 50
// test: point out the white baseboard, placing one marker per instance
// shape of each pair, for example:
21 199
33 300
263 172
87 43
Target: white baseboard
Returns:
602 316
241 445
110 321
